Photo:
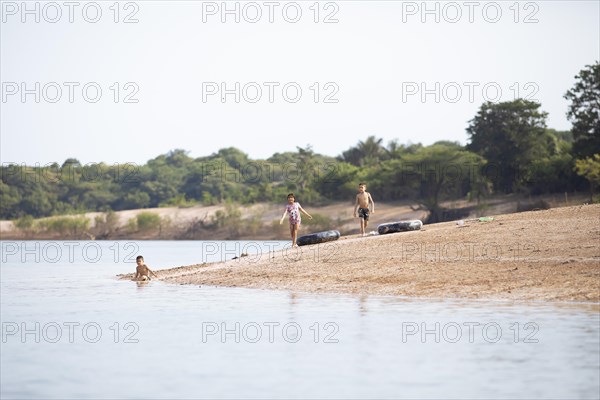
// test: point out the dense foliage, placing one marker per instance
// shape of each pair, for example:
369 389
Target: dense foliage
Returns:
426 175
584 111
510 150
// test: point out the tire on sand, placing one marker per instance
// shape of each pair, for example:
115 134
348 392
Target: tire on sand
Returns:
319 237
401 226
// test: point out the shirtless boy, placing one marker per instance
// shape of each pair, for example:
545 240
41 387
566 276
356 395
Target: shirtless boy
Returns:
142 272
363 202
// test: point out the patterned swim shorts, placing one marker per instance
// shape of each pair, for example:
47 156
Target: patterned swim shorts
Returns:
363 213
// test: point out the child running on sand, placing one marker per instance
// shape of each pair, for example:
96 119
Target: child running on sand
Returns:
363 201
142 272
293 209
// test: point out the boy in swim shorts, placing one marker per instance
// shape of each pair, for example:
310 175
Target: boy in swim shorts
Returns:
364 201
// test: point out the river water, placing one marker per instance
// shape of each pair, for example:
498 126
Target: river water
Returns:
70 329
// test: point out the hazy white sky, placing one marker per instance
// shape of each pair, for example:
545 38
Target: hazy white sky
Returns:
411 71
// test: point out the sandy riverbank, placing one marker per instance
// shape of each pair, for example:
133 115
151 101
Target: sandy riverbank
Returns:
539 255
260 221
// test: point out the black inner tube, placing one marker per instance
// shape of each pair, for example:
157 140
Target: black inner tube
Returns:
319 237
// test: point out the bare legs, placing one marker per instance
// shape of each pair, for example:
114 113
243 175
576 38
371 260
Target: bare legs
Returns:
363 226
294 233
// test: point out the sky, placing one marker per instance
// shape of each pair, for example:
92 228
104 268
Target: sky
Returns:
125 82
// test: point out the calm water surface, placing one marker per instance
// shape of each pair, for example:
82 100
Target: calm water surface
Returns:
71 330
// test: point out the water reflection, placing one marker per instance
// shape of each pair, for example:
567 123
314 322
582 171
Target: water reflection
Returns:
142 284
362 305
204 341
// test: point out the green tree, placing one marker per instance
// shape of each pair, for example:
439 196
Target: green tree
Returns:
71 162
178 158
555 172
367 153
511 136
584 111
307 172
234 157
9 201
435 174
339 181
136 199
589 168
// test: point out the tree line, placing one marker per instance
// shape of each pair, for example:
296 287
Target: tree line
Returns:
510 150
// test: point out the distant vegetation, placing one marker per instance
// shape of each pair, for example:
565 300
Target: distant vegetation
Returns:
510 150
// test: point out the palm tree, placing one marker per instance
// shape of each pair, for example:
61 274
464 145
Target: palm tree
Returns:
365 153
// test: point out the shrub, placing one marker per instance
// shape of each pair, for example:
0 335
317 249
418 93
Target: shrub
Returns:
65 225
106 224
132 225
230 218
25 222
148 221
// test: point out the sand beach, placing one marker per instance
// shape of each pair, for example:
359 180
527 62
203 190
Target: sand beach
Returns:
546 255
